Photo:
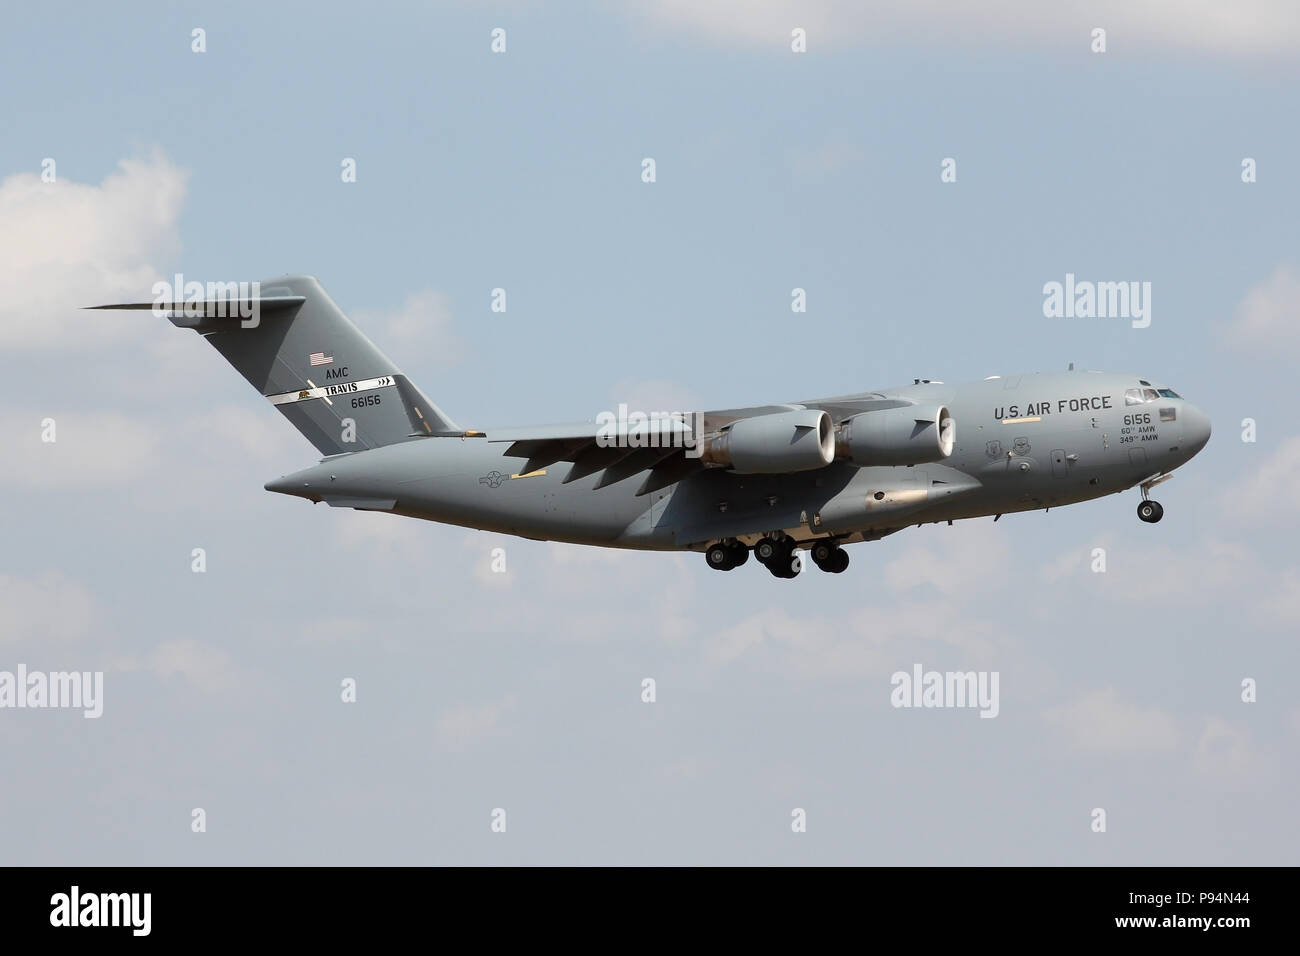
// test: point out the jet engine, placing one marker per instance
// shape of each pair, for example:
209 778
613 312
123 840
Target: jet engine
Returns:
912 435
770 444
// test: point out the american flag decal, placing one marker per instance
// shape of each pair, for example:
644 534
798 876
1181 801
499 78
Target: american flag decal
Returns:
320 358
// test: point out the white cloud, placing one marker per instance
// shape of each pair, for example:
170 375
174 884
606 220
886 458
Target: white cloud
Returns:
1067 565
1267 321
854 646
1214 572
105 448
102 448
1243 28
1101 722
748 636
258 438
460 729
418 332
403 539
1281 604
1261 498
1293 721
1226 754
166 361
66 245
43 609
653 395
1146 574
208 668
822 161
966 559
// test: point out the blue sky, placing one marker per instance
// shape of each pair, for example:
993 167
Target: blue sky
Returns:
522 171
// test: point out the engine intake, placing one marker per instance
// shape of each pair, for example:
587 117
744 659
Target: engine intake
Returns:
897 436
769 444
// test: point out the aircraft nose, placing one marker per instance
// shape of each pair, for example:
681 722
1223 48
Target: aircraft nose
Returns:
1196 429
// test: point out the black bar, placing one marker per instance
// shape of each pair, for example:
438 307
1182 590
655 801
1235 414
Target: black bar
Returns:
331 905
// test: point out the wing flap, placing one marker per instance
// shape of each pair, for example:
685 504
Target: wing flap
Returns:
638 461
668 472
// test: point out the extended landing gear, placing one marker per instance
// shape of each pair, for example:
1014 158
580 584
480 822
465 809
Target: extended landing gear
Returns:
829 556
766 549
724 556
1150 511
779 557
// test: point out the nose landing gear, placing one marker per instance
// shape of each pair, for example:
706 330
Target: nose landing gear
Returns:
1148 510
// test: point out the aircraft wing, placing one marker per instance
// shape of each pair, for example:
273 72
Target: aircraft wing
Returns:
846 406
621 450
839 408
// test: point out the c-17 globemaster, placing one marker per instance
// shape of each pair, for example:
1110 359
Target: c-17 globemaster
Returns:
770 479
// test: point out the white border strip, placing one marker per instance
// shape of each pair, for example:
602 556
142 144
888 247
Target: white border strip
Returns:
329 391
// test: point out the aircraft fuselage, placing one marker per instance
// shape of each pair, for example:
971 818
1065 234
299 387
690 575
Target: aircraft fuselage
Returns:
1022 443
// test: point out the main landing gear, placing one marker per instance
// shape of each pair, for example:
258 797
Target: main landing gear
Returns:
829 556
725 555
779 556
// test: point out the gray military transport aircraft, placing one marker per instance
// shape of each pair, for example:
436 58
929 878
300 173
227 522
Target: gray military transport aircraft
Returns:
770 479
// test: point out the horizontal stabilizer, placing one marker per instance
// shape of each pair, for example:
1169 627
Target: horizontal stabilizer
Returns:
210 307
212 315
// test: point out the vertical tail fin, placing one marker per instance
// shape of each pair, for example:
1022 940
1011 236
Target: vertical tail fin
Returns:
316 367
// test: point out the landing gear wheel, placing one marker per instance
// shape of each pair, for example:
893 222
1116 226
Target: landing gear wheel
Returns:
822 552
829 556
720 557
1150 511
786 563
767 549
739 554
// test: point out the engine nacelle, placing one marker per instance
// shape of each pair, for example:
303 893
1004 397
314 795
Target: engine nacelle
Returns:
912 435
770 444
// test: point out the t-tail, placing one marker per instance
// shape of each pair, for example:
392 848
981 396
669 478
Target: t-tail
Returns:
298 349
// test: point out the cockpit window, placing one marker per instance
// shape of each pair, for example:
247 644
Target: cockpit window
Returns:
1169 393
1140 396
